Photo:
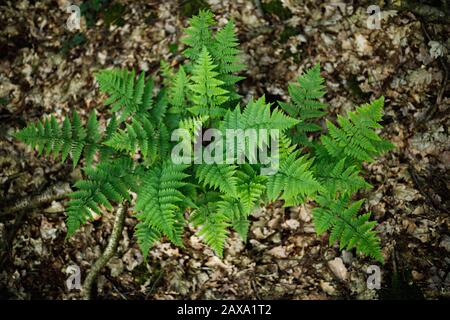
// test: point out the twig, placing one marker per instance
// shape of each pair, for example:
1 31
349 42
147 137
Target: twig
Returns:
107 254
55 192
158 278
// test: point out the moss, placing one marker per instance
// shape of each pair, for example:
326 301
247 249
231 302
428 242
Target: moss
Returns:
113 15
73 41
190 8
111 12
287 33
173 48
355 90
276 7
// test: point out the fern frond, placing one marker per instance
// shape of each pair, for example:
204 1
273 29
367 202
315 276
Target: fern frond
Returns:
213 226
356 137
218 176
70 138
236 213
226 55
167 73
179 91
257 115
340 177
159 110
250 187
198 34
346 226
146 237
294 181
207 95
159 197
138 136
305 103
109 181
125 92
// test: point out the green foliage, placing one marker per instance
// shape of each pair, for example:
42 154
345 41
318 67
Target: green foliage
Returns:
346 226
207 95
294 181
134 150
276 7
227 56
70 138
356 137
73 41
198 35
305 104
159 199
213 226
126 94
146 237
109 181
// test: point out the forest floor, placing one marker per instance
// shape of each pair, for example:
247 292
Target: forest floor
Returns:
46 69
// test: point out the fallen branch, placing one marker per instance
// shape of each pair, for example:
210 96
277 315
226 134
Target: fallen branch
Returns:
57 191
107 254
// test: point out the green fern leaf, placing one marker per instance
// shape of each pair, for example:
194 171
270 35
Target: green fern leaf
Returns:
305 104
146 237
213 226
294 181
109 181
356 138
207 95
159 197
346 226
72 138
218 176
198 34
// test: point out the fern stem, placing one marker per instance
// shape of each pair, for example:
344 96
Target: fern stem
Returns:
109 252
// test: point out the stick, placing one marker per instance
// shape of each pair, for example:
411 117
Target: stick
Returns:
107 254
55 192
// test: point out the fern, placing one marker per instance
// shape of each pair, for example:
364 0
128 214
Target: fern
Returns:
179 91
70 138
250 187
109 181
134 150
218 176
140 135
146 237
213 226
159 197
226 54
294 181
125 92
352 230
198 35
207 95
355 137
305 104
